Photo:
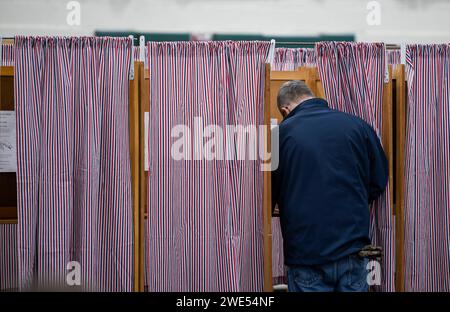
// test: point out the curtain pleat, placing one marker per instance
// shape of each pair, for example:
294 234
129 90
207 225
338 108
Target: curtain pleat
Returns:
8 257
393 57
73 172
293 58
7 54
137 55
279 270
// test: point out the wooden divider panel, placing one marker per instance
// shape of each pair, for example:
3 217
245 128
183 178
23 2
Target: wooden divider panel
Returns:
8 188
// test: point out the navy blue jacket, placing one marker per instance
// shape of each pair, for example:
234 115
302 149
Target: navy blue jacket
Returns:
331 166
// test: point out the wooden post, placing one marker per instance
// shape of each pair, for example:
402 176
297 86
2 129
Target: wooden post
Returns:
134 157
267 196
387 133
7 71
144 91
400 133
311 78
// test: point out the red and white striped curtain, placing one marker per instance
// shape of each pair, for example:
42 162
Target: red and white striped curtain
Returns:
8 257
73 172
7 54
291 59
137 55
352 75
205 216
427 173
393 57
279 270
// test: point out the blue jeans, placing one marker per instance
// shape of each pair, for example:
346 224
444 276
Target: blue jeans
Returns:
345 275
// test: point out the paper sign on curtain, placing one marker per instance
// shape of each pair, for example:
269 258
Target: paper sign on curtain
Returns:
8 162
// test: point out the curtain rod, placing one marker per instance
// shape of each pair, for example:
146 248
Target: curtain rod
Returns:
388 46
296 42
12 38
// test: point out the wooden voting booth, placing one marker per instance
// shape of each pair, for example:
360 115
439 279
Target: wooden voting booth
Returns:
393 137
393 140
8 189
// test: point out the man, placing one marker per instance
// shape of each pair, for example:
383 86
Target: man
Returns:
331 167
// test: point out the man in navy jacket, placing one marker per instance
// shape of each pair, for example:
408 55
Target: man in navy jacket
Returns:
331 167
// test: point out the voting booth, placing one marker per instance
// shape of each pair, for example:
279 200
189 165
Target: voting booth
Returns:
8 192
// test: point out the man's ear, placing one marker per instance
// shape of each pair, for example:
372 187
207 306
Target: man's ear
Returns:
284 111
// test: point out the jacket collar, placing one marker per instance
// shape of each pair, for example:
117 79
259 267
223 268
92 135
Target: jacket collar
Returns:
307 105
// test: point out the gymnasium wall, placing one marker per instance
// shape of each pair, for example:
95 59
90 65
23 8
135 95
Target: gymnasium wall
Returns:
400 20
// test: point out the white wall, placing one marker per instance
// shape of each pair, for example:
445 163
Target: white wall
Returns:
401 20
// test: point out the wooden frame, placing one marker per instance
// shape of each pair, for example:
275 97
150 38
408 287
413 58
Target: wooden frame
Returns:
399 78
267 195
8 215
395 154
387 132
7 71
308 74
8 212
144 82
135 163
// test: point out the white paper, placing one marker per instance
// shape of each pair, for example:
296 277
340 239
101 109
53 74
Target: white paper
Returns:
8 161
146 161
403 53
273 123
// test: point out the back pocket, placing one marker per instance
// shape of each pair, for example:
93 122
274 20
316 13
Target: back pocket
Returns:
306 276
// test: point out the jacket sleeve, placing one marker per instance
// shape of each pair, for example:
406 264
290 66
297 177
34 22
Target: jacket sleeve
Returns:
379 167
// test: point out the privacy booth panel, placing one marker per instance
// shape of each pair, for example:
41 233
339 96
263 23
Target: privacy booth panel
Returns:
204 228
341 70
427 173
73 171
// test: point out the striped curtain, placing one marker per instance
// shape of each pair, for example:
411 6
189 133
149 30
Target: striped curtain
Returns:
8 236
279 270
7 54
73 172
352 76
427 173
205 216
291 59
137 55
393 57
8 257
